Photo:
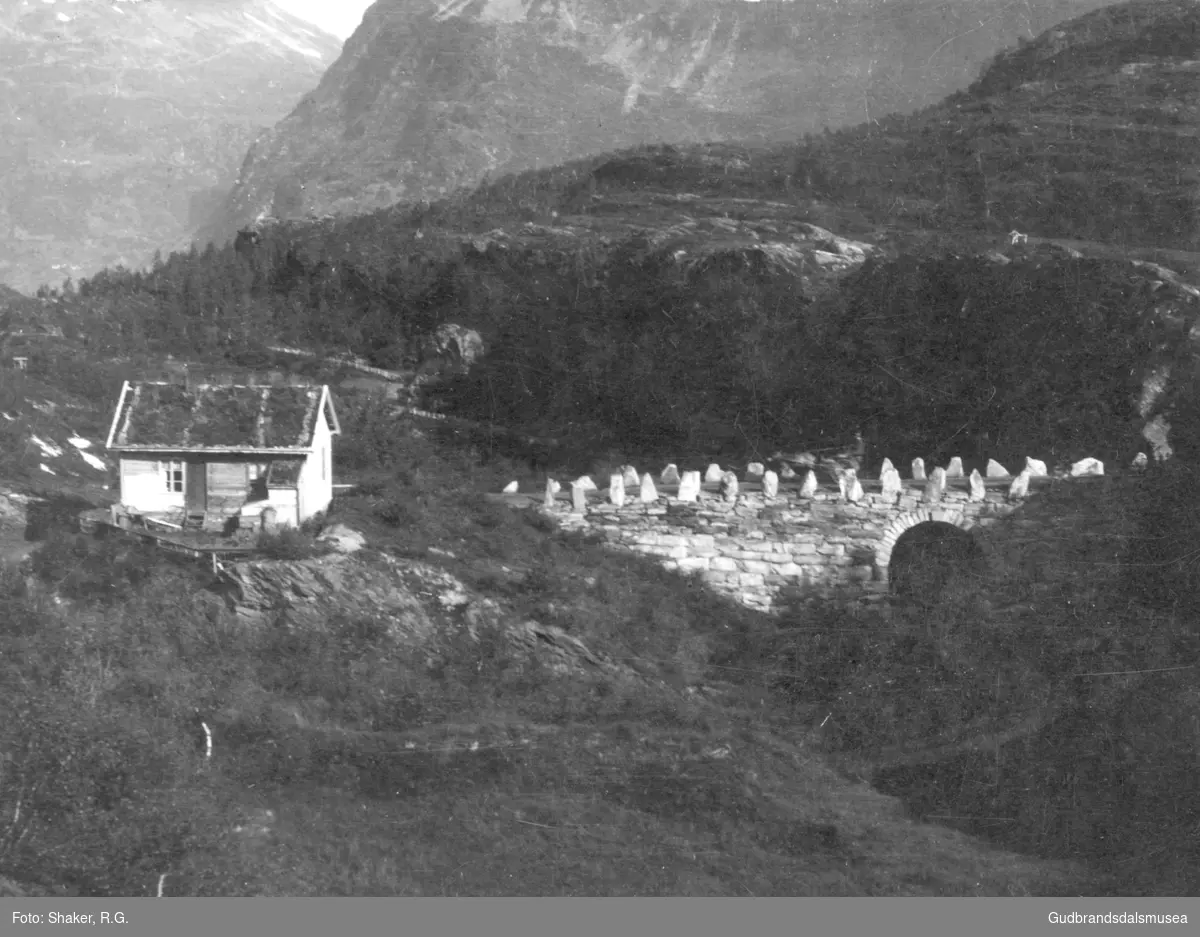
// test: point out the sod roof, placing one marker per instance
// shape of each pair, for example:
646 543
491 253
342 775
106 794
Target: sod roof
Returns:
166 416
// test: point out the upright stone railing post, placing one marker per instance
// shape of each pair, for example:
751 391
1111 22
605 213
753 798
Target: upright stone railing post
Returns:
936 486
918 469
689 486
1019 487
850 487
890 482
616 489
578 498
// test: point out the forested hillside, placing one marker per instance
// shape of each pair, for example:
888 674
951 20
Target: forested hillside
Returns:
681 299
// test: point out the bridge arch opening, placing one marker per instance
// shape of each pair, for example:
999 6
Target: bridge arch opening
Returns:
930 557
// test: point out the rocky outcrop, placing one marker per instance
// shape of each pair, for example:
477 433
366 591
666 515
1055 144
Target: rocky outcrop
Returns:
422 605
313 591
13 516
428 97
453 346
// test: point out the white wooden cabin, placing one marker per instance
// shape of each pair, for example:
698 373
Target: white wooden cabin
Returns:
203 454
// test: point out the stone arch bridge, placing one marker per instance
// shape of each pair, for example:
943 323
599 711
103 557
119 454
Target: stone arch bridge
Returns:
773 544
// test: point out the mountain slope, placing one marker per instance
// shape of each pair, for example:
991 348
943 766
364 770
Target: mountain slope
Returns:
429 97
121 121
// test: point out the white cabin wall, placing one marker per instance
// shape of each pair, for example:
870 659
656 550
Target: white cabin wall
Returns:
285 503
315 491
144 486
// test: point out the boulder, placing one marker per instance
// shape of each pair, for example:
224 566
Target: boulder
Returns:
453 345
1087 467
343 539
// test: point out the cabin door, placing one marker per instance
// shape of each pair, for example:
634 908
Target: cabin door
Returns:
196 487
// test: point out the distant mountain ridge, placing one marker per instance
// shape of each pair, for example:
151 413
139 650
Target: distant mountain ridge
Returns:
429 97
122 123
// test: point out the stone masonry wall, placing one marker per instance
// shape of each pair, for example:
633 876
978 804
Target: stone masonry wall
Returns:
807 543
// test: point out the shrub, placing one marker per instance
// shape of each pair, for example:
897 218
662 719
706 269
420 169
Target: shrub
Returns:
289 543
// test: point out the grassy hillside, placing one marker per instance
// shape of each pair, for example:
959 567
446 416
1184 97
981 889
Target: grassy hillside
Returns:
709 751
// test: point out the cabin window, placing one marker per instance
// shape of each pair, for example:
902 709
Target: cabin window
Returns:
174 475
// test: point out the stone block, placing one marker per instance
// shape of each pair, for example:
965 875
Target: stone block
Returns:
1019 487
713 473
978 489
689 487
616 490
